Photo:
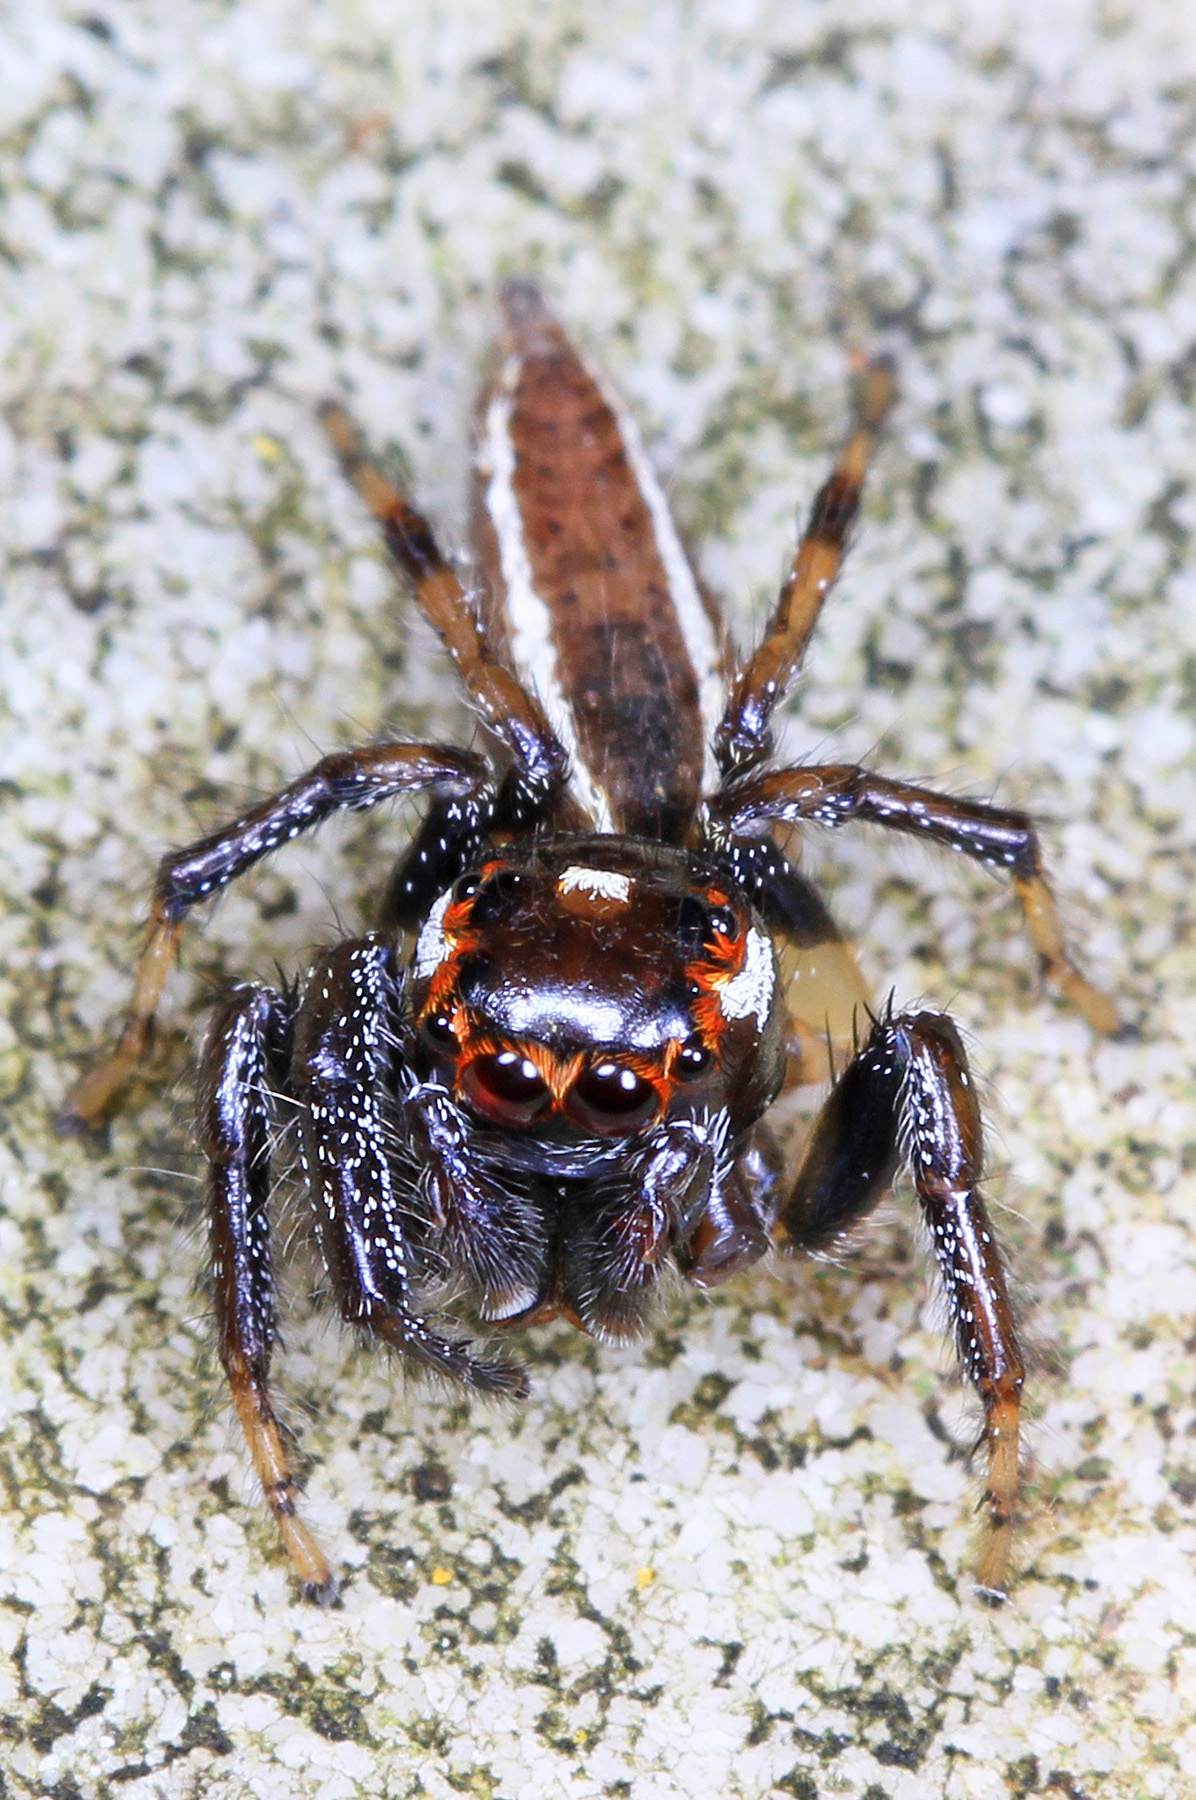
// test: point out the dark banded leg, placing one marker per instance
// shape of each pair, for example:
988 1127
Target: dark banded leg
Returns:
838 792
785 900
450 840
744 738
349 780
244 1059
909 1085
510 711
364 1199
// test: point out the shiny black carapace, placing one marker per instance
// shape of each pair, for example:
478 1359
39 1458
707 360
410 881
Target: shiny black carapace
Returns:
542 1079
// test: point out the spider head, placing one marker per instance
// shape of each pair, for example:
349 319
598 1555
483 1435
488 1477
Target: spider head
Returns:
592 987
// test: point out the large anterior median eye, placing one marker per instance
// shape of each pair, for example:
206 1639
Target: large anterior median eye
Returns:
506 1087
609 1098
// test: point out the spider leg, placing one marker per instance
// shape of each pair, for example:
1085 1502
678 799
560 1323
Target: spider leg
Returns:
834 793
682 1191
744 738
449 841
511 712
485 1224
348 780
367 1225
244 1057
909 1089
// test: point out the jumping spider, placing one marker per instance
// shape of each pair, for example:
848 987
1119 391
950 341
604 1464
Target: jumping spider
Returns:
559 1090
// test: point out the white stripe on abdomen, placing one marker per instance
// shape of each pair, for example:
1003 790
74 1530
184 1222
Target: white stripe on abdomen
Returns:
528 618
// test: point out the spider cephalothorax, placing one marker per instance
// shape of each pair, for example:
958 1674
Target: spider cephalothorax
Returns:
543 1078
605 1022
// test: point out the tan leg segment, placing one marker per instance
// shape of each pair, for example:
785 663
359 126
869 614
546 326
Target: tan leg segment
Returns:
946 1165
509 709
1002 1414
88 1103
346 780
245 1058
1046 934
273 1469
1004 841
909 1089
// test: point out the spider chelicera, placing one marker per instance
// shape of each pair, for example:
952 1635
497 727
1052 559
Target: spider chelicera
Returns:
559 1089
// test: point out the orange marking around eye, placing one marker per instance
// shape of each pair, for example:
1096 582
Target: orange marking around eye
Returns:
462 942
558 1073
655 1071
441 995
665 1080
722 962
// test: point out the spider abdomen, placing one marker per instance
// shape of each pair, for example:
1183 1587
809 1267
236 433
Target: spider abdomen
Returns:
587 587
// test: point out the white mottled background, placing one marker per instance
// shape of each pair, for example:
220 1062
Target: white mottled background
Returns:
731 1561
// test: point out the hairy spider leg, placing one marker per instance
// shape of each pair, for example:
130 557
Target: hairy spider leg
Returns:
244 1060
346 1023
909 1089
832 794
682 1191
484 1223
513 713
744 738
350 780
453 838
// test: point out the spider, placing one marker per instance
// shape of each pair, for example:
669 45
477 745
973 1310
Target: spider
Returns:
542 1079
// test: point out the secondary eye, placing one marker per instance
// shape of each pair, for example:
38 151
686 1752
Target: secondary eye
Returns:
723 923
496 897
609 1098
437 1029
700 922
506 1087
693 1059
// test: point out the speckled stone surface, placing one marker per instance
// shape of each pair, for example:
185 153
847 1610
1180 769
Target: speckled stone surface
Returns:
733 1560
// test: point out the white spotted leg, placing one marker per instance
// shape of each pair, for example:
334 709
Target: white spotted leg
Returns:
364 1182
243 1064
1004 841
349 780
